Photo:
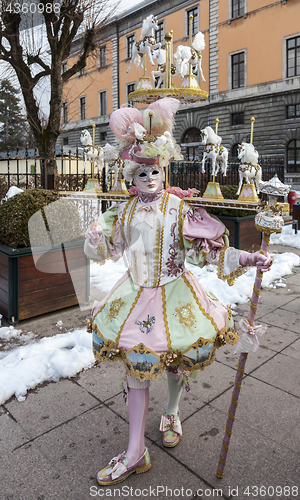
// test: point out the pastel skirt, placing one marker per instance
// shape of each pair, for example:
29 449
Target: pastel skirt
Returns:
151 329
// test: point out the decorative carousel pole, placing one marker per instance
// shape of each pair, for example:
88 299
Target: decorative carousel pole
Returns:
213 190
191 17
252 127
93 162
216 131
267 221
245 195
168 40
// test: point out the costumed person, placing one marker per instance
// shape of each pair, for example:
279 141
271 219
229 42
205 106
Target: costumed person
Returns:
157 316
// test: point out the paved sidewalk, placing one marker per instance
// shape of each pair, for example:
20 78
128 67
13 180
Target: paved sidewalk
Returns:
53 443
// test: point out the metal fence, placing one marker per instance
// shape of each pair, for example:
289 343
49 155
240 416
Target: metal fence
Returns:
185 174
23 169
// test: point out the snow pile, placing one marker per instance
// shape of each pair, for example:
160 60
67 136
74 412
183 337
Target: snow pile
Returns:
9 334
287 237
104 277
49 359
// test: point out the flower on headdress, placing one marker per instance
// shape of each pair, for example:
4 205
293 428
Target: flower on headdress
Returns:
133 190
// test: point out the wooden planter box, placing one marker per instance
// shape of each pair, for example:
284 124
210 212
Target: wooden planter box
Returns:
242 232
26 291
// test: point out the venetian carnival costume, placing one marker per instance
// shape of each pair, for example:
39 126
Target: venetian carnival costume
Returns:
157 316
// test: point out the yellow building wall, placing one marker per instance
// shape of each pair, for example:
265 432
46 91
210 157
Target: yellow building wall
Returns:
261 34
89 85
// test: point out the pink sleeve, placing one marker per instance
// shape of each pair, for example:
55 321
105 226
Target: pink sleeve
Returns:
203 230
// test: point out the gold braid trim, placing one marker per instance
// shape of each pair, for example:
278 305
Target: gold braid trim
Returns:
107 299
156 369
230 278
222 461
256 291
231 416
113 229
240 369
128 226
161 238
259 273
266 238
267 230
253 306
238 386
124 214
157 252
132 307
234 401
228 432
180 224
163 293
219 474
225 446
199 304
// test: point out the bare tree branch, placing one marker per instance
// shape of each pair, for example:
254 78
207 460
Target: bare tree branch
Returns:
78 19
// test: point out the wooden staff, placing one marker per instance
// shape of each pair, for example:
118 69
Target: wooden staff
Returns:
242 363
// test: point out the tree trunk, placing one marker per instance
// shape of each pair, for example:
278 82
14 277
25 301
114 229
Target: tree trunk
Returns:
46 145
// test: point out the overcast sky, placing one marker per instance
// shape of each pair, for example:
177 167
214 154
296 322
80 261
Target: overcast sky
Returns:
128 4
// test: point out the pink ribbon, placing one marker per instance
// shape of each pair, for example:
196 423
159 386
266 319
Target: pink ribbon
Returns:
117 469
248 341
169 423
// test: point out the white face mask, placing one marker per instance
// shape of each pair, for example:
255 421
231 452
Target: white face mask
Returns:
148 179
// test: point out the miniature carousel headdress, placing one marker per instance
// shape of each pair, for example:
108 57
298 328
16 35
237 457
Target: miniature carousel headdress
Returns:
145 138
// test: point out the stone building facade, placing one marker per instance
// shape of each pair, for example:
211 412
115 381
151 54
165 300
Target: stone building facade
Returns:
251 64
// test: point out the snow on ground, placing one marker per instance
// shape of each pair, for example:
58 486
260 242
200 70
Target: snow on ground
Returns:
103 278
8 333
51 358
287 237
64 355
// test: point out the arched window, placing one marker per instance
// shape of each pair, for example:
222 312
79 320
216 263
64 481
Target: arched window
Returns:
293 156
192 140
234 150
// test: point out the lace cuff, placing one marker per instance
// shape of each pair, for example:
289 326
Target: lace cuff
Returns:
229 267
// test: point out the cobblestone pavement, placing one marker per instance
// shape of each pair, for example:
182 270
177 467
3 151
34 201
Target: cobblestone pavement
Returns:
53 443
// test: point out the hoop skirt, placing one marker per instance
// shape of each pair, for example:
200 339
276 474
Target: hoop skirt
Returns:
158 316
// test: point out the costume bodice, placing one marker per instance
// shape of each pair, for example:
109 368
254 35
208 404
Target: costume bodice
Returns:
152 233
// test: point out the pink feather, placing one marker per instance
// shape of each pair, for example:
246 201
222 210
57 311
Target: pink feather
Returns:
122 118
166 108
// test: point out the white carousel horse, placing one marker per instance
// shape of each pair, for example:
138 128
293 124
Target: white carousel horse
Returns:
160 56
91 152
190 55
249 167
146 44
115 164
136 130
214 150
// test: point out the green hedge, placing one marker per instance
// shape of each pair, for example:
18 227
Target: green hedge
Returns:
59 223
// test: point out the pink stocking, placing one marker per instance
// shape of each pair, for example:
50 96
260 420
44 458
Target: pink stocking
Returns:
138 401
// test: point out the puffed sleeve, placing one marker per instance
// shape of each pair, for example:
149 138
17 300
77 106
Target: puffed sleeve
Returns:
104 239
205 239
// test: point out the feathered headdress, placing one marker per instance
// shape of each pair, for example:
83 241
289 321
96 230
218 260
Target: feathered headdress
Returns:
148 134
